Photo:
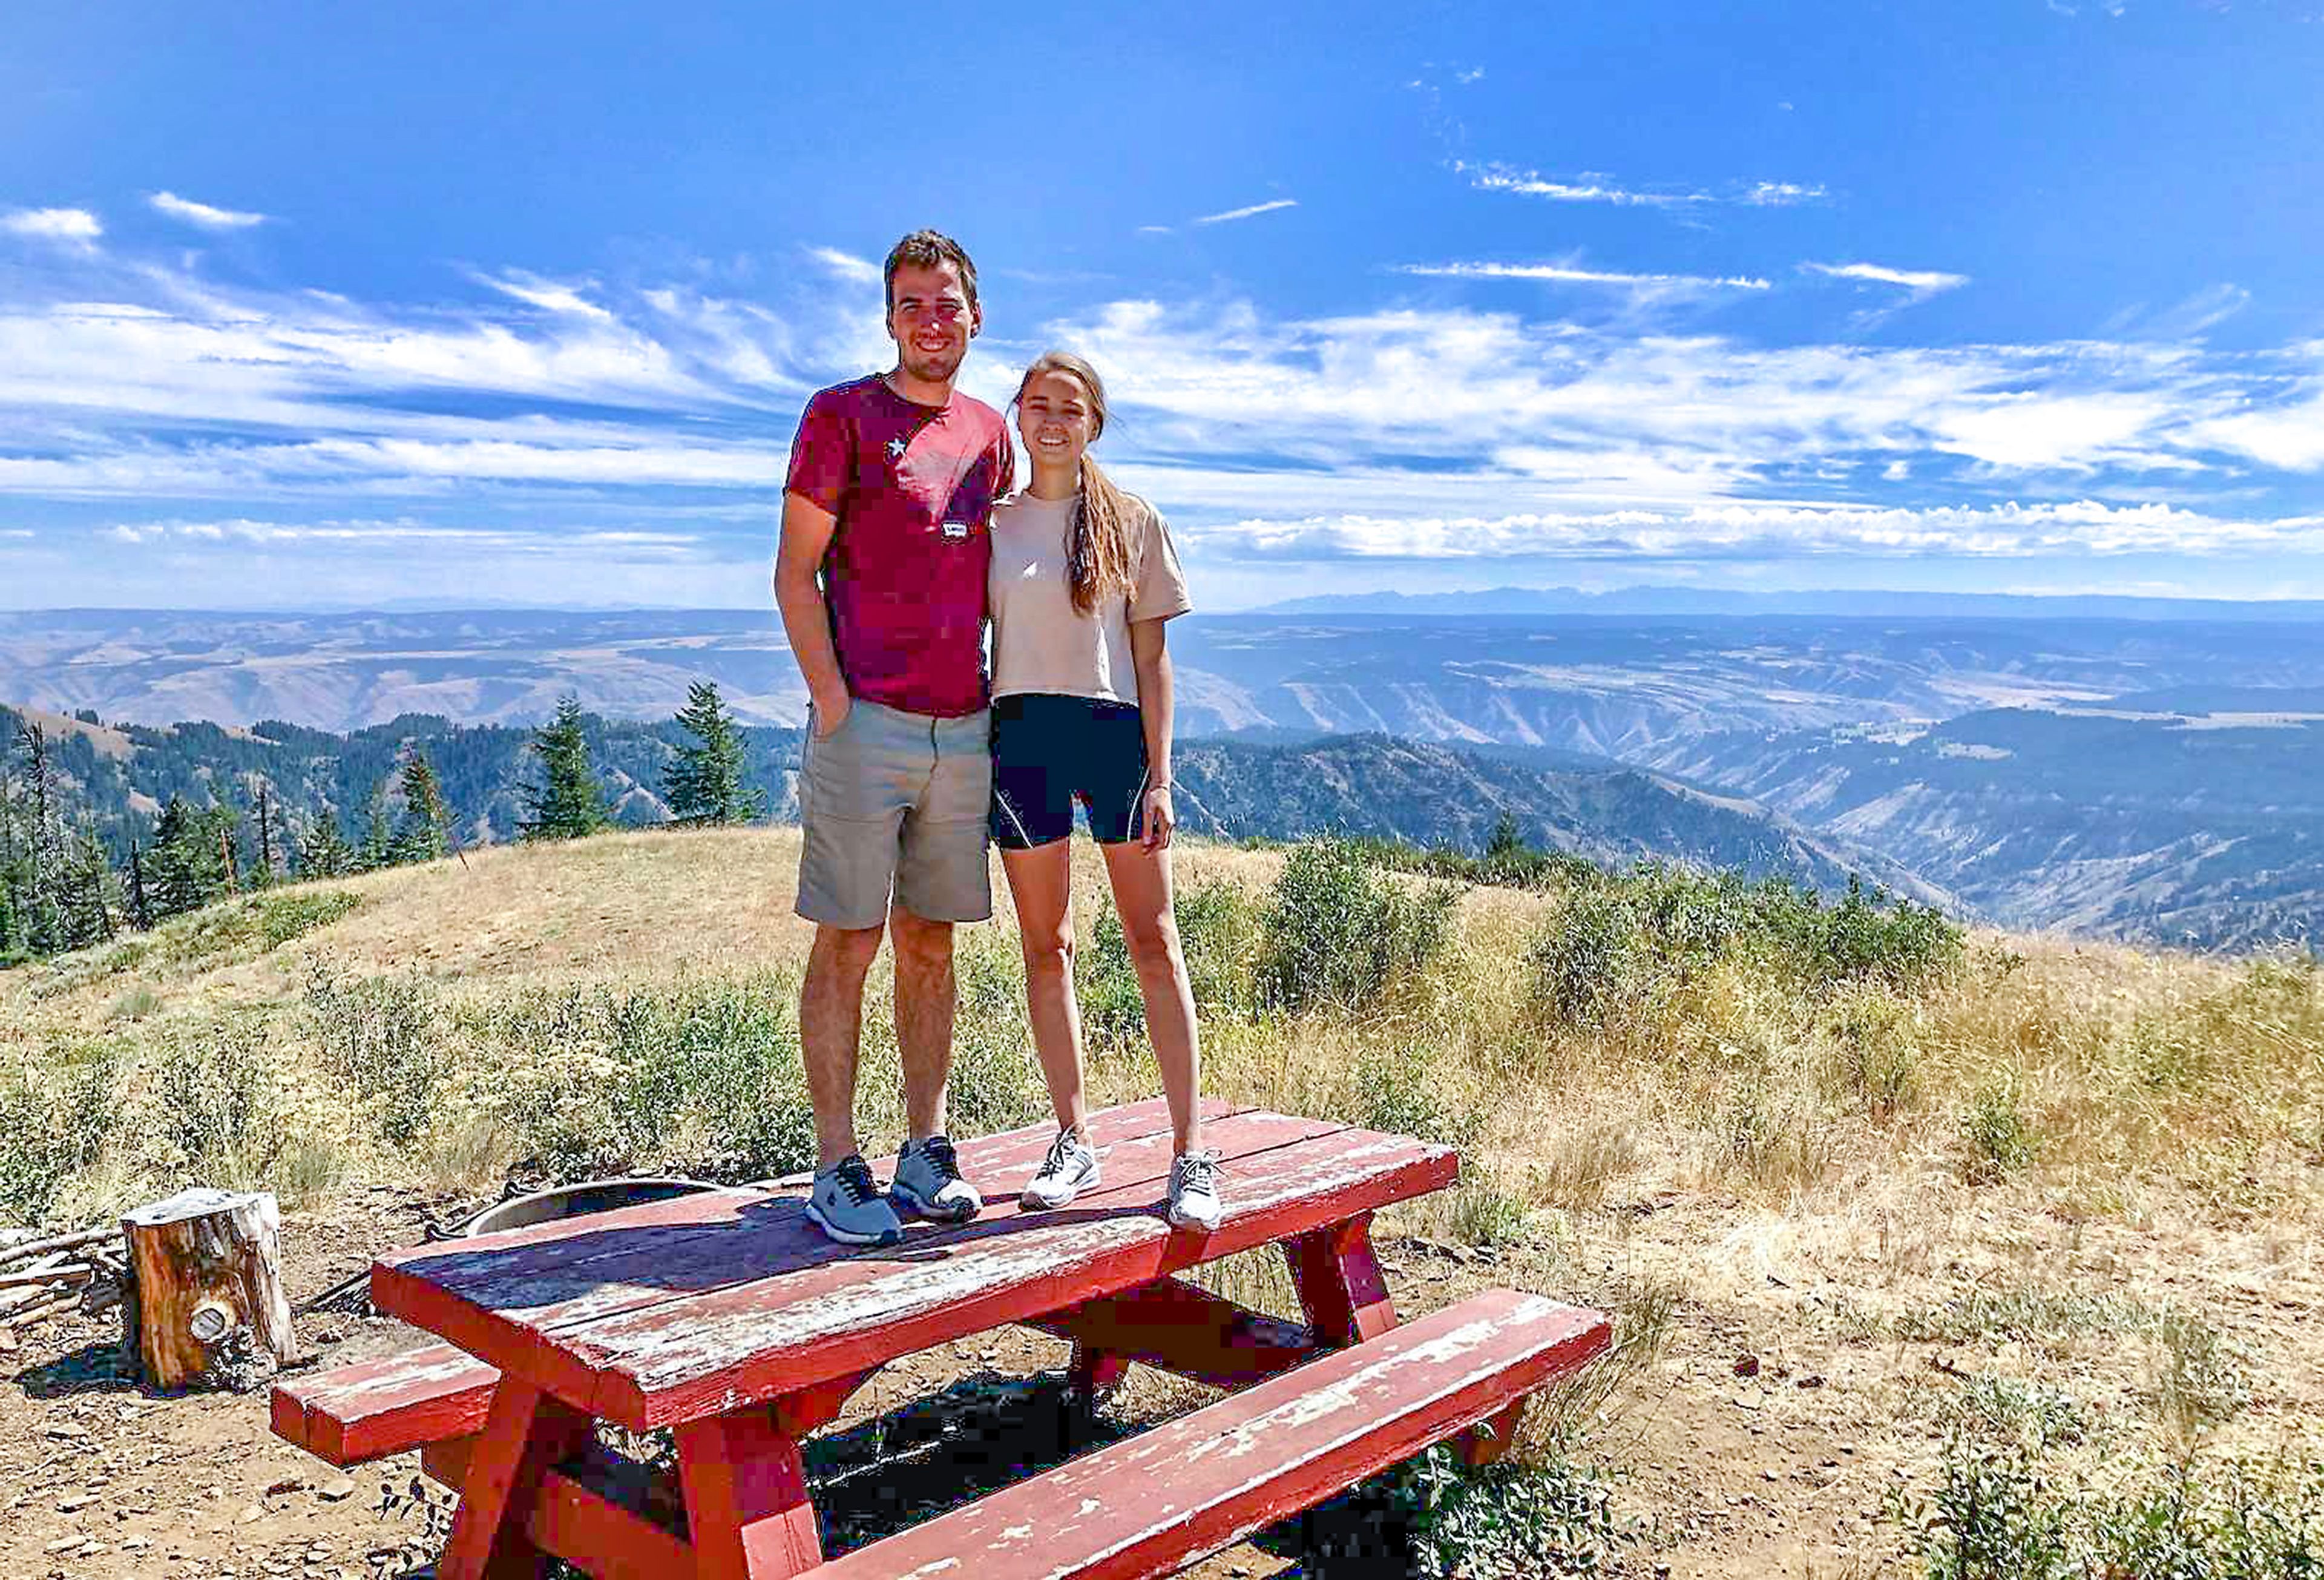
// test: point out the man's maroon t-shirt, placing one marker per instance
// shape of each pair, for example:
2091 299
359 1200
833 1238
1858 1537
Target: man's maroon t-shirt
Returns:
912 487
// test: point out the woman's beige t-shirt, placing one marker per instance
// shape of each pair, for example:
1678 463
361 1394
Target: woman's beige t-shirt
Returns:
1040 642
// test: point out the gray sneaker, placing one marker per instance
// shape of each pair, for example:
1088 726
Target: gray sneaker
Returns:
928 1181
1195 1191
846 1205
1069 1170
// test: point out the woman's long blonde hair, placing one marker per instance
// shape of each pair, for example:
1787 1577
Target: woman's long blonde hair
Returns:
1097 542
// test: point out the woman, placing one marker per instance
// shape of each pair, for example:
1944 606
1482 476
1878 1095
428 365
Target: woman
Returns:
1084 579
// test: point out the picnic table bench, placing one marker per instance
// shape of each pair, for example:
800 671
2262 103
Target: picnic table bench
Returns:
728 1319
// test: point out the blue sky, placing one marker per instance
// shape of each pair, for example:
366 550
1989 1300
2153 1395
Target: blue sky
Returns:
319 305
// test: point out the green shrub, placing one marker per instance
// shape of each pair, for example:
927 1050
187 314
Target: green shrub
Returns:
2007 1515
1105 983
2003 1410
381 1036
1618 942
1485 1215
1218 937
1593 963
1508 1520
1991 1516
996 1083
1337 931
1400 1092
254 925
281 917
213 1108
1508 862
1994 1130
1219 928
702 1075
54 1121
1879 1053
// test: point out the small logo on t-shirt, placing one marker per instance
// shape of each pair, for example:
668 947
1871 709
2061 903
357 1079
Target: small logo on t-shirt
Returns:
896 448
957 529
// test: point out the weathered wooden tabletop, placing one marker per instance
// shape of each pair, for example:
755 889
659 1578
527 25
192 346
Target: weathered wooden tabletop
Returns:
692 1307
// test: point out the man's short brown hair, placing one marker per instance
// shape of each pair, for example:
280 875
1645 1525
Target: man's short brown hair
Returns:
929 249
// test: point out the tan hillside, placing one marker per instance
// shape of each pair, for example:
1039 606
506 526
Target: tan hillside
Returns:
2051 1199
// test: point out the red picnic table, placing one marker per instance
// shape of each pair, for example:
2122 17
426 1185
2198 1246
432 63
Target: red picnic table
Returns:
730 1319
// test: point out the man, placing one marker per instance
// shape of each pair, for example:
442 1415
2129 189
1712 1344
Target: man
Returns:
881 581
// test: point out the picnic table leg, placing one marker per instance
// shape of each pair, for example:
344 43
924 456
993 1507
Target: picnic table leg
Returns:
1341 1286
1095 1373
746 1499
527 1433
1493 1438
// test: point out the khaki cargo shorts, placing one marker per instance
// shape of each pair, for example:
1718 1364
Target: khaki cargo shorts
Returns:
895 805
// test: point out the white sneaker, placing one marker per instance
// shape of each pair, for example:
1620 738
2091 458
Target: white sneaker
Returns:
1195 1191
1069 1169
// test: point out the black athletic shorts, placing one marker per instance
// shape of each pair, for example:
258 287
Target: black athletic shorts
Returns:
1049 750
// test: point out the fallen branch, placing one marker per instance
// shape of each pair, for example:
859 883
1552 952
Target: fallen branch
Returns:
45 1304
75 1274
56 1243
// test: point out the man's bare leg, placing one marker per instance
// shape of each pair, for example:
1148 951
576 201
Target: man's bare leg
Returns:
924 1012
830 1033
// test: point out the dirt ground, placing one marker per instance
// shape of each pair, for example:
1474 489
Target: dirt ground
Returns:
1785 1470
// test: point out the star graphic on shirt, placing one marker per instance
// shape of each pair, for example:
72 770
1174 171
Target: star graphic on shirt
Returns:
896 448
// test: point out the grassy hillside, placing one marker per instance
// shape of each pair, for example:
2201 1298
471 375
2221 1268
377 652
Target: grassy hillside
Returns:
1931 1209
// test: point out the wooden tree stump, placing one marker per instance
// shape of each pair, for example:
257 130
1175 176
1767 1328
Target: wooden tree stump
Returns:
207 1306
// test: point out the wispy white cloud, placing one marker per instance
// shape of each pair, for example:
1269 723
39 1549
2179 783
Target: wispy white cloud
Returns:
1583 190
554 296
2181 320
402 532
1592 429
846 265
1246 213
72 227
1561 273
1920 282
203 215
1780 194
2082 527
1474 74
1594 187
1154 230
2288 435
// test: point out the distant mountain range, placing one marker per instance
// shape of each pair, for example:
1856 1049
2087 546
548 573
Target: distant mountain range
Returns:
1726 604
1429 794
1366 785
2172 827
1970 749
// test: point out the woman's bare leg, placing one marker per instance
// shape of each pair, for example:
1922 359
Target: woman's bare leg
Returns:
1041 883
1142 896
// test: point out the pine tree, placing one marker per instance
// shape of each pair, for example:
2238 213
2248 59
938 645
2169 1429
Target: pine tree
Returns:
263 872
41 911
704 783
378 836
568 804
91 894
420 836
15 869
324 852
140 909
182 874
